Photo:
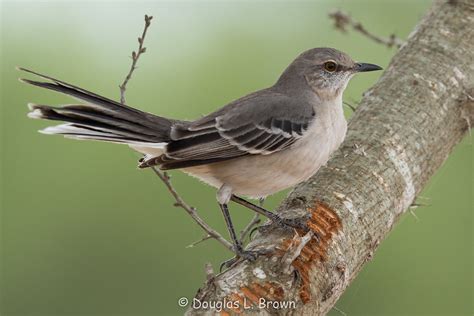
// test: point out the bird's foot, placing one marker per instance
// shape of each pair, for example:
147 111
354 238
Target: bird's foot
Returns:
241 255
288 224
300 223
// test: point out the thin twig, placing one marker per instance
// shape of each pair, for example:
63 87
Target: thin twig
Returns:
255 221
210 233
210 275
415 205
342 20
350 106
191 210
199 241
339 310
412 212
135 57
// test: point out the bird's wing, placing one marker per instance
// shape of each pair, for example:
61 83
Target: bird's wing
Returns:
259 124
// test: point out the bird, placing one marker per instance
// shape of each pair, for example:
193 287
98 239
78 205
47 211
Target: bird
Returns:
253 147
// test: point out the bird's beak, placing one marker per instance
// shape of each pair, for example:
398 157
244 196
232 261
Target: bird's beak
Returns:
363 67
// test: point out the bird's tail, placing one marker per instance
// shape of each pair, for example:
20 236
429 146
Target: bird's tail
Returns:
99 118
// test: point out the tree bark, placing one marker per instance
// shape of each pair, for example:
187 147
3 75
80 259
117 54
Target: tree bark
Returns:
401 133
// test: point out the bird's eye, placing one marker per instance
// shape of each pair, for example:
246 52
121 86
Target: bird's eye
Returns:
330 66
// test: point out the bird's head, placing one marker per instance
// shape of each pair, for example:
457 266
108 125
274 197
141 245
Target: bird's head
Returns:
327 70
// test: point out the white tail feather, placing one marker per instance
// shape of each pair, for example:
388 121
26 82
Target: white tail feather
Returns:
76 132
35 114
150 151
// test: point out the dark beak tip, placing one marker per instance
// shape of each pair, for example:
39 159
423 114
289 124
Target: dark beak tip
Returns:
365 67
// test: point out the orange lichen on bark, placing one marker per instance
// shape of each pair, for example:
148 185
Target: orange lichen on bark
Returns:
268 290
253 293
324 223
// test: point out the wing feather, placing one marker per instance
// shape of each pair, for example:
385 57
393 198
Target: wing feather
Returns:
237 130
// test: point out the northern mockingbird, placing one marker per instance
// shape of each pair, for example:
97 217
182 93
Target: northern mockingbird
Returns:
255 146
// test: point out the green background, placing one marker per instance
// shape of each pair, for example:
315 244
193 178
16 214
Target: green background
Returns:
83 232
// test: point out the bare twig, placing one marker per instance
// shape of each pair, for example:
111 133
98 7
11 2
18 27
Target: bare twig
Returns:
350 106
342 20
340 311
416 205
199 241
210 275
179 202
135 57
412 212
191 210
254 221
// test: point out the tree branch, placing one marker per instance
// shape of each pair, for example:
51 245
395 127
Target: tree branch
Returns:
401 133
342 20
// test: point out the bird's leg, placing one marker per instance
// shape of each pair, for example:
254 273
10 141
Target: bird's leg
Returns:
283 222
240 253
223 197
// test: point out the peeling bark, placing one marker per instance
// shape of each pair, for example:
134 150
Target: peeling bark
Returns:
402 132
